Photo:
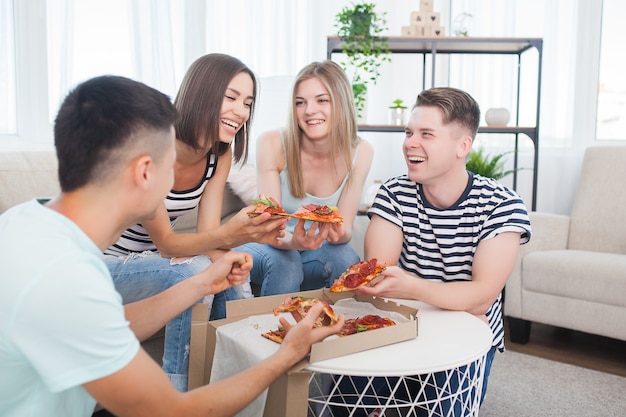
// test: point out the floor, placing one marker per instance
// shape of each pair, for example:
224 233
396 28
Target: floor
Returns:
576 348
563 345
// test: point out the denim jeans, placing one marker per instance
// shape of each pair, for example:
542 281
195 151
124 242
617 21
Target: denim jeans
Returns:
143 275
280 271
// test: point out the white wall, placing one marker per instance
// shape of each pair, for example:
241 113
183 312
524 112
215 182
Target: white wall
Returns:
559 158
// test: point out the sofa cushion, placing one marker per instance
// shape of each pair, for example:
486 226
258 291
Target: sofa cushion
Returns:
575 274
598 220
26 175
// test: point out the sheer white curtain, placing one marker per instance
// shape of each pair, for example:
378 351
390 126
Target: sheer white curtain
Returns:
556 22
273 37
152 36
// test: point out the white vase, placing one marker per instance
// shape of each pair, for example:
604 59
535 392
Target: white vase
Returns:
397 116
497 117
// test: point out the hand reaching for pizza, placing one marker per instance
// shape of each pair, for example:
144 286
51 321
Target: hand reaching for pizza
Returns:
301 336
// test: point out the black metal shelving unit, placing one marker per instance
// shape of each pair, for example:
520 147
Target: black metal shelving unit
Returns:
469 45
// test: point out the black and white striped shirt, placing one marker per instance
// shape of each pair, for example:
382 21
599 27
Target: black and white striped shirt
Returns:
177 203
439 244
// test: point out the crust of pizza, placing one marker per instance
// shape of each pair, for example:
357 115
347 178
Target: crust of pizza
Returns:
322 214
357 275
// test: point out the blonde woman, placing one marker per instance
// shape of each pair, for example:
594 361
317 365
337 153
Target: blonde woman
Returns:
317 158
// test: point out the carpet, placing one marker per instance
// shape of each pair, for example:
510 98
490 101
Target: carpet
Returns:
522 385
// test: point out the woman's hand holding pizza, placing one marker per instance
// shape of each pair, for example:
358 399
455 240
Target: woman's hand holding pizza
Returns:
261 229
311 239
336 232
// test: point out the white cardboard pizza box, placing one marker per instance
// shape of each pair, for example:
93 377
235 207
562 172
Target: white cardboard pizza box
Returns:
288 395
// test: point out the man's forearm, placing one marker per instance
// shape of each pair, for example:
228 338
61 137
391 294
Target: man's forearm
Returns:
149 315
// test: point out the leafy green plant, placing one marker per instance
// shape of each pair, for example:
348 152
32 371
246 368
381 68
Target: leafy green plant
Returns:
486 165
360 27
398 104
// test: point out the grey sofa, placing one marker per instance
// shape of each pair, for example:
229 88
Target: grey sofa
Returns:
572 273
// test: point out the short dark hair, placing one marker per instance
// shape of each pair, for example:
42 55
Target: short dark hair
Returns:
101 116
457 106
199 102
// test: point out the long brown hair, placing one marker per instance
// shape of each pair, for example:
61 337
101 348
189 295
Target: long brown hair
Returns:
343 130
199 102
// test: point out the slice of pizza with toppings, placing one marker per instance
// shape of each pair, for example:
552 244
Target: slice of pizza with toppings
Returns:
267 204
298 306
323 214
365 323
357 275
276 335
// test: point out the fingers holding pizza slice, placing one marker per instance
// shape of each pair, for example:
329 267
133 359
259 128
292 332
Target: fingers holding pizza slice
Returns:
357 275
299 306
267 204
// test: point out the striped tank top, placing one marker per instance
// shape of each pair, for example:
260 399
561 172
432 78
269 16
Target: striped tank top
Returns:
177 203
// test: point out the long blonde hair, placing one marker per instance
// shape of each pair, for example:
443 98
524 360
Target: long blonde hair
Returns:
343 130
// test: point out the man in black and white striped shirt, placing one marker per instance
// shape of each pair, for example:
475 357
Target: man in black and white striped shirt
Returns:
453 235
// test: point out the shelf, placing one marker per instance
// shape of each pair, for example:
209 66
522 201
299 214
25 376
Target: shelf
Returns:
468 45
482 129
449 45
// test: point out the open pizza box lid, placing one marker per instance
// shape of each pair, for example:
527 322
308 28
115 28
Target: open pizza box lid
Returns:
204 337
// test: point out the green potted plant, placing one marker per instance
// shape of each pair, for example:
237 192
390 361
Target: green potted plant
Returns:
360 28
487 165
397 113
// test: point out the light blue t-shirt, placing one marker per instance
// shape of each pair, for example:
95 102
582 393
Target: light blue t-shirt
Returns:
62 323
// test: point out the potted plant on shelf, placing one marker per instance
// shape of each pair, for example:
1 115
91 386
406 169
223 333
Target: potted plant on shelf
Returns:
486 165
397 113
360 28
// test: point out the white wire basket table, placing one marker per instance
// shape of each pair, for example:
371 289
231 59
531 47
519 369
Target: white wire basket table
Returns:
440 373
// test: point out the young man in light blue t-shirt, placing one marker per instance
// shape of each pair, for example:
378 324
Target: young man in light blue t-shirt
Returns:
66 340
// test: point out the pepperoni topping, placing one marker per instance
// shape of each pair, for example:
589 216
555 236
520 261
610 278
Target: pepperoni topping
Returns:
352 280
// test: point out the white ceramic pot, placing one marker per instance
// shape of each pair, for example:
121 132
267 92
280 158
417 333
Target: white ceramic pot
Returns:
497 117
397 116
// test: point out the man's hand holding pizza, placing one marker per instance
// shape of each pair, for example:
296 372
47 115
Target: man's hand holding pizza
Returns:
301 336
393 282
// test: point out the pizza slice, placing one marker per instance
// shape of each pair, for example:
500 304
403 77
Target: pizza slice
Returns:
276 335
323 214
267 204
357 275
365 323
298 306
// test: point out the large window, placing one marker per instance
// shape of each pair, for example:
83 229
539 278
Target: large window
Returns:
611 117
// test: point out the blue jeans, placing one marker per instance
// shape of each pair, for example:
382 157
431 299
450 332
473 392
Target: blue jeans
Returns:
280 271
143 275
